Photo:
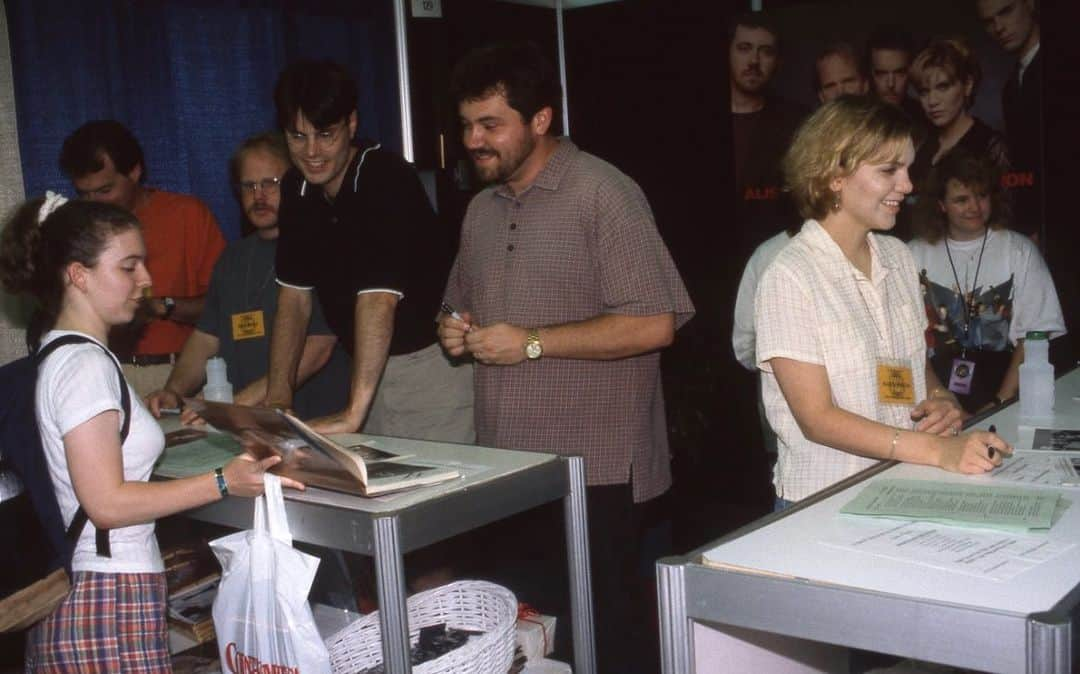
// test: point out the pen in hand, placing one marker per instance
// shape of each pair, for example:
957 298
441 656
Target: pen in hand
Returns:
990 448
452 313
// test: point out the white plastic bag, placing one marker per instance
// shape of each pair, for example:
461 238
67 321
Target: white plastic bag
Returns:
261 613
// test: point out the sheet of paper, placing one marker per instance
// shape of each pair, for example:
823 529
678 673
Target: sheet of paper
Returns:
1028 467
986 554
1007 508
198 456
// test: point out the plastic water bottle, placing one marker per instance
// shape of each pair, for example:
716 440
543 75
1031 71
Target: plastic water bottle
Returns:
1036 378
217 386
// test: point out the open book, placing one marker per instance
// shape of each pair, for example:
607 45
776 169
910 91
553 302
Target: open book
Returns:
313 458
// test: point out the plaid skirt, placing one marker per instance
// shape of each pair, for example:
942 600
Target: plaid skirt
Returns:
109 622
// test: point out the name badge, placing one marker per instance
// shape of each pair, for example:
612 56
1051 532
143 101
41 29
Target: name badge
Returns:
961 375
896 383
248 325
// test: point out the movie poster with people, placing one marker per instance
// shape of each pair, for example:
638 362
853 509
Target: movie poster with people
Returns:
968 72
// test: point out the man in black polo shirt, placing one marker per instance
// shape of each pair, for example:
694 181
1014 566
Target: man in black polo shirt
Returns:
357 227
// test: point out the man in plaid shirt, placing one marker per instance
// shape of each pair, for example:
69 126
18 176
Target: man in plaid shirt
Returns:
565 294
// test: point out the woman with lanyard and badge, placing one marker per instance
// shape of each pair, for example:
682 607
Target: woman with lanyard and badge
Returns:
839 317
984 286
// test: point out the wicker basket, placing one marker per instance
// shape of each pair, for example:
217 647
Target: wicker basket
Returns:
465 604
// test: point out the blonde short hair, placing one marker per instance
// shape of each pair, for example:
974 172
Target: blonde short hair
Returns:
952 56
834 142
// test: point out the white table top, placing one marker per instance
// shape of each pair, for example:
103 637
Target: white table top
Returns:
791 546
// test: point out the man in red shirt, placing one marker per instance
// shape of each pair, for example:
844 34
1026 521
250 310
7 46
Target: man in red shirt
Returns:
105 163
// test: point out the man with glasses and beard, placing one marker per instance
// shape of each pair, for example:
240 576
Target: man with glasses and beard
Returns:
357 229
242 301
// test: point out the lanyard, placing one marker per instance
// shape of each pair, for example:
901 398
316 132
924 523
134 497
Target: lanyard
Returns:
969 297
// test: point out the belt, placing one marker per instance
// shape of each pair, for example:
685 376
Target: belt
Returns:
144 359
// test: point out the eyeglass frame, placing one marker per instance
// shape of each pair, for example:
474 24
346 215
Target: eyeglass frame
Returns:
267 185
323 138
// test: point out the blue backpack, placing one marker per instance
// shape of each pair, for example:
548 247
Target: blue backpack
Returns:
42 546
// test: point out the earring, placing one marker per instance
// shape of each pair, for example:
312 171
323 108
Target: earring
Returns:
836 201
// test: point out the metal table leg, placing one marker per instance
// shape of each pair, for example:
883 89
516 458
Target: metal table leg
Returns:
676 640
577 552
1049 647
390 582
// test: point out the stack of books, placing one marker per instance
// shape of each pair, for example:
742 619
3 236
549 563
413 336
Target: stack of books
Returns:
192 582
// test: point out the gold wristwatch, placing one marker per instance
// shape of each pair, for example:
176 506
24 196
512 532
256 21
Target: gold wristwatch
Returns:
533 348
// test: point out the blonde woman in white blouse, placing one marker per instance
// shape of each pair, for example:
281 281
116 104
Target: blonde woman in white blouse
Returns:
839 316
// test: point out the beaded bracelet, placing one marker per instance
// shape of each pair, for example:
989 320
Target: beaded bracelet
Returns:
219 476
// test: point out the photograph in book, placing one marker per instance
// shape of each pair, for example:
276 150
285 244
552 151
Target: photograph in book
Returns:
313 458
1056 439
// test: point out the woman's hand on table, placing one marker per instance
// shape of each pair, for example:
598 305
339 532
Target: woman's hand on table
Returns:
939 416
973 453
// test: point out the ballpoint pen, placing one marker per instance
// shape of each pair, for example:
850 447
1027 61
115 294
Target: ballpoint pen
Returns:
449 311
990 448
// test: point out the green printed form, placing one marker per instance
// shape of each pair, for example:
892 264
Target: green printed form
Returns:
1014 509
197 456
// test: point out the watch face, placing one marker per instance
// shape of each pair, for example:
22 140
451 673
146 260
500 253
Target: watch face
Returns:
533 350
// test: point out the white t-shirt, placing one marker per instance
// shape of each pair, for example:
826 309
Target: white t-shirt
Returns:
1013 292
75 384
742 334
814 306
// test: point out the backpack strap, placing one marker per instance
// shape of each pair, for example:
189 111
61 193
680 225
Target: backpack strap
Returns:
78 523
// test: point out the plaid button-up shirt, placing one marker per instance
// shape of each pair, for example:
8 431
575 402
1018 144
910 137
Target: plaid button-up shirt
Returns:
578 243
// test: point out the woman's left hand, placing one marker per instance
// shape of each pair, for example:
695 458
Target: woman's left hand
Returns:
939 416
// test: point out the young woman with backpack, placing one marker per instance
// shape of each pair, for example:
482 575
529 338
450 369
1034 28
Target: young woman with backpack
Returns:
84 264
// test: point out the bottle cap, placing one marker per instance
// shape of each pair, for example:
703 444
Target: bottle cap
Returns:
1036 334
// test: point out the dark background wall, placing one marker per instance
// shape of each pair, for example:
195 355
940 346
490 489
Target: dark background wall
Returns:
648 91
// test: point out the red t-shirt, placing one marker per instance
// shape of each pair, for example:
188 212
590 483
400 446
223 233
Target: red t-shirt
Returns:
183 242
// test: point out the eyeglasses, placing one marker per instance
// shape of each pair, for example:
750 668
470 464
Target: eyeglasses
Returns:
323 138
267 185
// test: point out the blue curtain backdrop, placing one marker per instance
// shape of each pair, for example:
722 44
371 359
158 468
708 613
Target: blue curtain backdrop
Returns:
190 78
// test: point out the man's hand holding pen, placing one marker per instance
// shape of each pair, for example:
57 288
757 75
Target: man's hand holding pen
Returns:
452 330
498 344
